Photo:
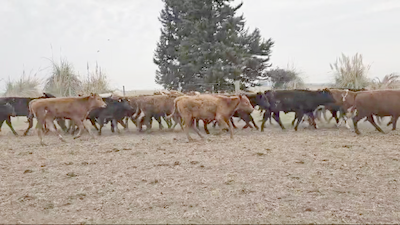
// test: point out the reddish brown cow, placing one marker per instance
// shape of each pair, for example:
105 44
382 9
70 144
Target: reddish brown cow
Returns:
379 103
73 108
207 108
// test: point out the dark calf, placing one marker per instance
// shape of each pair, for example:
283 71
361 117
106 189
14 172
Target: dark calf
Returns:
6 111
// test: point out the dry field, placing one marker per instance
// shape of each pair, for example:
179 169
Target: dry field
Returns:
310 176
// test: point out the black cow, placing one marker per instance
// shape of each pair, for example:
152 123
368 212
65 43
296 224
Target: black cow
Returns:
299 101
21 107
115 111
6 111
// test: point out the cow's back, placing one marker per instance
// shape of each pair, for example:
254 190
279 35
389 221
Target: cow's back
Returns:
379 102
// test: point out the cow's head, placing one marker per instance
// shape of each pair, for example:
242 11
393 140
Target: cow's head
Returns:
262 100
245 104
125 104
95 101
8 109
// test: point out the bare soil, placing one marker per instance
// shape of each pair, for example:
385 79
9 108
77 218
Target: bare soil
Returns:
328 175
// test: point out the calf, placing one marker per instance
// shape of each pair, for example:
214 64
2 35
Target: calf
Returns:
207 108
379 103
299 101
73 108
116 110
6 111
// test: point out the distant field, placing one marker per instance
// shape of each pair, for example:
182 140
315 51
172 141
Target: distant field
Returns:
328 175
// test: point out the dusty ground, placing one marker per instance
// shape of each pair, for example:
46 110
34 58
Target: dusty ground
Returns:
310 176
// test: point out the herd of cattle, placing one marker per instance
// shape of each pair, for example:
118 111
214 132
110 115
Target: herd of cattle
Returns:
187 109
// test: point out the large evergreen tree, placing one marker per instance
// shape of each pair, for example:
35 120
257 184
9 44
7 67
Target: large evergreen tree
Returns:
205 46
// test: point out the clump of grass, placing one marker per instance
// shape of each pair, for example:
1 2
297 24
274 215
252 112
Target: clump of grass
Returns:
350 72
25 86
63 81
390 81
96 82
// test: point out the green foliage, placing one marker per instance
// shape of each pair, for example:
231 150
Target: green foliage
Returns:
204 46
350 72
63 81
25 86
285 79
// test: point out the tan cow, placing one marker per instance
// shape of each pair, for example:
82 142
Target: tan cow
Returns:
375 103
156 106
207 108
73 108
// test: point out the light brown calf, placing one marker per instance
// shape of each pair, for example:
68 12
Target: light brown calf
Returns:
207 108
73 108
376 103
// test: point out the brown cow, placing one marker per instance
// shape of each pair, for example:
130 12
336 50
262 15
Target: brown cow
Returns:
73 108
208 108
156 106
379 103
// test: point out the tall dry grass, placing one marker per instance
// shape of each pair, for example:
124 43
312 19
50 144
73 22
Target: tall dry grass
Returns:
95 82
350 72
63 81
390 81
25 86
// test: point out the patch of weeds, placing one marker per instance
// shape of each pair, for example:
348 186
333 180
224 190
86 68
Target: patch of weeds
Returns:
229 182
126 149
71 152
177 163
201 166
69 163
28 171
85 163
246 191
26 198
300 162
71 174
162 164
49 206
194 162
260 153
154 182
347 146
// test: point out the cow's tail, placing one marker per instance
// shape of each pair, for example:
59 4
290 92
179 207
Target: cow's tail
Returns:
174 110
138 111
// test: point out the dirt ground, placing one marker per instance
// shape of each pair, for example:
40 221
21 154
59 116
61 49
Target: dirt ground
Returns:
328 175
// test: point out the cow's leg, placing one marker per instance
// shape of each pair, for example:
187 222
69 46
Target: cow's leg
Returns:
1 123
265 118
81 126
93 122
205 123
228 122
115 123
30 121
188 124
252 120
158 118
299 118
233 124
312 120
294 120
215 124
334 115
101 124
39 128
124 125
394 120
8 122
52 127
61 123
278 120
370 118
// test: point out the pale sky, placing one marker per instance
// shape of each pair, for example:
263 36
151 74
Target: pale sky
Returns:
122 35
